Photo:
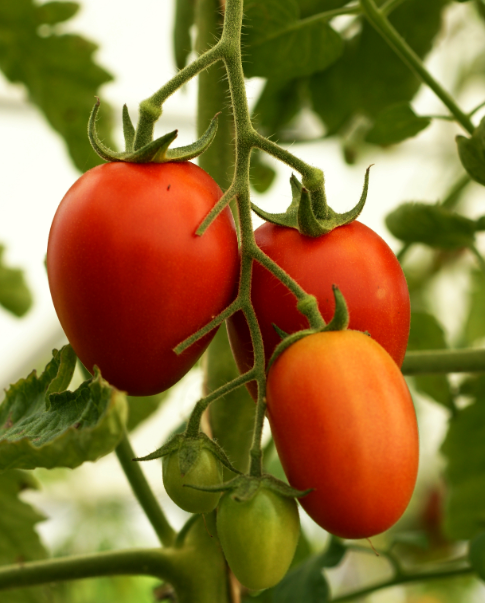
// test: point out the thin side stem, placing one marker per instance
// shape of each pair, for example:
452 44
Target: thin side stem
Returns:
403 579
144 493
444 361
379 21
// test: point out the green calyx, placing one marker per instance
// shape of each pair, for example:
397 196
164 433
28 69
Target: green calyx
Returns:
189 449
309 212
154 151
244 487
339 322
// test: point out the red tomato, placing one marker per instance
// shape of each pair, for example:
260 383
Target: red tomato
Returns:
344 424
128 276
354 258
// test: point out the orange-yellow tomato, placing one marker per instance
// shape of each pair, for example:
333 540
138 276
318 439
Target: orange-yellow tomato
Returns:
344 424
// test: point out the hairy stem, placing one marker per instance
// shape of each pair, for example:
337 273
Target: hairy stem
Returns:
144 493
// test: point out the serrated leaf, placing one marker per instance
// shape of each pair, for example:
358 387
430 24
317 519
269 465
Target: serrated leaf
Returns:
40 426
369 76
432 225
19 542
472 153
59 73
281 46
474 327
51 13
184 19
15 296
427 334
306 582
395 124
464 450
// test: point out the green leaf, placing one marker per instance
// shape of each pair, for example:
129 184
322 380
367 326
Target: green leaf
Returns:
395 124
427 334
476 554
472 153
262 175
58 71
432 225
14 293
184 19
41 425
280 46
464 450
306 582
19 542
278 104
369 76
51 13
141 407
313 7
474 328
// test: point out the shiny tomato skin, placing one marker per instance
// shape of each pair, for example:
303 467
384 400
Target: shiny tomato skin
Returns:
344 424
354 258
128 276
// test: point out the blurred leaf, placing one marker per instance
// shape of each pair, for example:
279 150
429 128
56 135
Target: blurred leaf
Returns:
58 71
262 175
306 582
184 19
476 554
42 425
277 105
141 407
51 13
472 153
369 77
432 225
280 46
19 541
395 124
474 328
14 293
313 7
464 450
427 334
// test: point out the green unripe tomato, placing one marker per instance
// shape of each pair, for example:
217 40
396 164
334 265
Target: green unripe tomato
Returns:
258 537
206 471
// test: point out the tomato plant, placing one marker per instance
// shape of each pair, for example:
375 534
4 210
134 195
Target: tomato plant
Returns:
258 536
344 424
354 258
128 276
206 471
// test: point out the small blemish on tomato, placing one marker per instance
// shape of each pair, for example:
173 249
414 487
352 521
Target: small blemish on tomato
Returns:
168 187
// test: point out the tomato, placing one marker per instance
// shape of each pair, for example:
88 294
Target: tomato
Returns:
128 276
206 471
344 424
354 258
258 536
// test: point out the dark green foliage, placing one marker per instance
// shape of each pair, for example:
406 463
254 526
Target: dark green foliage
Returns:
370 77
280 46
472 153
395 124
465 470
474 328
278 104
57 70
184 19
427 334
262 174
313 7
432 225
14 293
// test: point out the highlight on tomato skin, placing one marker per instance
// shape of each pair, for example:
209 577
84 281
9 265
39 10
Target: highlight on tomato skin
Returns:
354 258
128 276
344 424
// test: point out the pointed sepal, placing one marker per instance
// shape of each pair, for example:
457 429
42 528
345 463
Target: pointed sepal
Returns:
308 212
197 148
128 130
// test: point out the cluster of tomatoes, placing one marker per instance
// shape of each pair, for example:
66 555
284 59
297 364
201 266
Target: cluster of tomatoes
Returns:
130 280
